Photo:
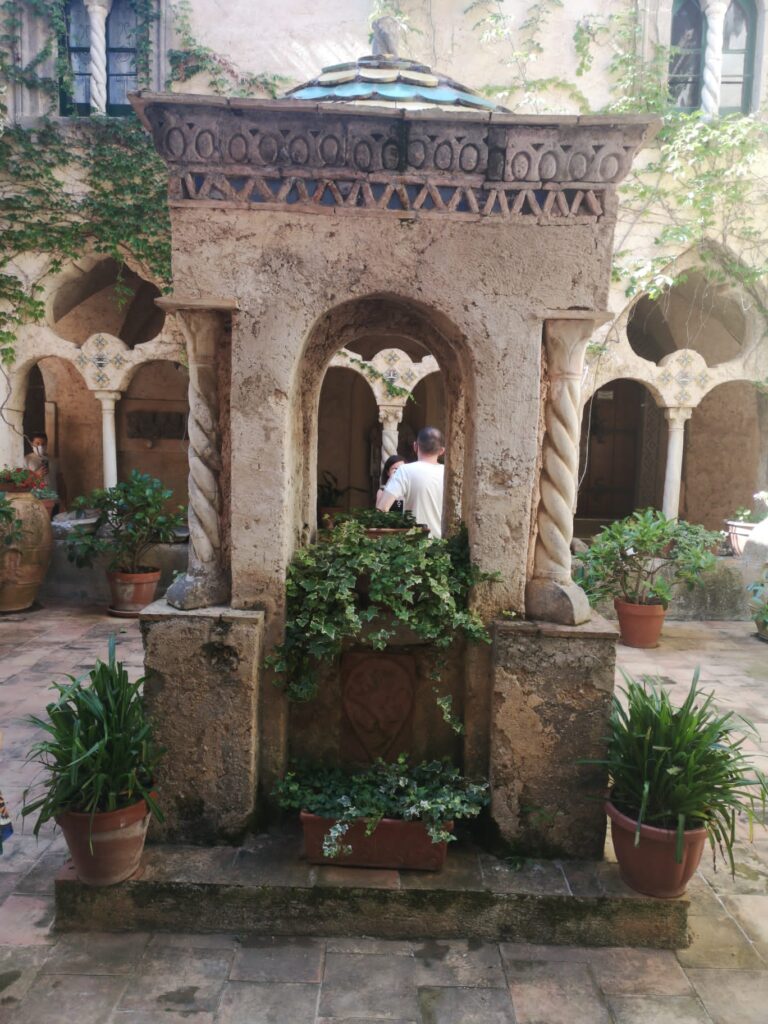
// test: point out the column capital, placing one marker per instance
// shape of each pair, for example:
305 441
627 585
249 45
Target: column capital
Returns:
715 8
391 414
567 333
677 416
100 5
105 397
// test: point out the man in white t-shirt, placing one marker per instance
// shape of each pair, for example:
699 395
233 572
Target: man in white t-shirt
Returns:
420 484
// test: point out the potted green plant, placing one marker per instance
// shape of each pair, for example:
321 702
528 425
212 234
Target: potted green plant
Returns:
678 776
412 581
99 763
18 481
637 561
133 517
379 524
25 532
744 521
329 496
392 815
759 605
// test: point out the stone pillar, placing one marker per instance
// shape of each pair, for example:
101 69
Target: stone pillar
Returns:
714 11
551 593
98 11
552 688
108 401
673 474
201 692
11 437
207 580
390 417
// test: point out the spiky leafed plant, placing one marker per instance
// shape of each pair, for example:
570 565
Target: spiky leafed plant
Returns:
682 768
99 753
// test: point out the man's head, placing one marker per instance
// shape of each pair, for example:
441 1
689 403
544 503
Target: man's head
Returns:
39 442
430 444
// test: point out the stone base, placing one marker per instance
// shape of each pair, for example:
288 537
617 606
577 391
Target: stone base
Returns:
199 588
552 688
201 692
551 601
267 889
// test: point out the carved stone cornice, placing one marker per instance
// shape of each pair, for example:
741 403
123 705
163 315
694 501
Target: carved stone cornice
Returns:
296 155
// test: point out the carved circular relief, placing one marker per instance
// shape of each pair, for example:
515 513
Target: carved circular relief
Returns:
521 166
577 167
390 156
299 150
444 156
417 153
330 149
175 142
609 167
362 156
548 166
469 158
269 147
238 148
205 144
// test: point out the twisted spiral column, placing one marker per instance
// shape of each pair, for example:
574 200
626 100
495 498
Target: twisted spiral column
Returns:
390 417
551 593
98 11
207 579
715 11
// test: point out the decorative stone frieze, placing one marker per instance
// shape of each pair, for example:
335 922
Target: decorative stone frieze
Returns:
292 154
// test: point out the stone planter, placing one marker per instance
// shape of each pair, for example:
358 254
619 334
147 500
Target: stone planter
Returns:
24 563
738 535
640 624
132 591
650 867
393 844
106 848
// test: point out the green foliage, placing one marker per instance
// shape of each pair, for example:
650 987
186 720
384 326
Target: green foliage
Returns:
10 524
627 558
681 768
759 601
433 792
413 581
20 478
372 519
756 514
133 515
98 753
223 78
393 390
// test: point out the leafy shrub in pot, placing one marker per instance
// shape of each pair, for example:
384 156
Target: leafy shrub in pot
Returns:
392 815
133 517
637 561
678 776
759 605
99 762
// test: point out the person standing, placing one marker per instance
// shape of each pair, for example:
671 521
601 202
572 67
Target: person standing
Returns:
391 466
419 485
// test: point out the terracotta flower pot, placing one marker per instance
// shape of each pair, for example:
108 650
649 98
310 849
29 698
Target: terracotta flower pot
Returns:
394 844
117 838
650 867
639 624
738 534
132 591
24 563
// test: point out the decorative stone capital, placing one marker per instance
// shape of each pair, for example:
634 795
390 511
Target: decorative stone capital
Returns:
390 416
108 398
677 417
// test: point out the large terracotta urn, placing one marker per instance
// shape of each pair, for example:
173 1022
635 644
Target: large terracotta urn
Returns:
24 562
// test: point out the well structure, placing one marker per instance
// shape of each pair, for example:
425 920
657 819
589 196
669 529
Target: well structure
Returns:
300 226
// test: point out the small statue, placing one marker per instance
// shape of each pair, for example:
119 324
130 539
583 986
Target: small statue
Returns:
385 37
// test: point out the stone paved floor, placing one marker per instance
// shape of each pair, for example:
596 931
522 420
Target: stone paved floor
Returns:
200 979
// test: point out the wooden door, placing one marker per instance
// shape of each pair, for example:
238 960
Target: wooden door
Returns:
610 438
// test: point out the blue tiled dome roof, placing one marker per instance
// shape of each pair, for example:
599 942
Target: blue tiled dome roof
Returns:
389 80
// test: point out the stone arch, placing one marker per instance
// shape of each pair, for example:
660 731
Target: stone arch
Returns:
392 316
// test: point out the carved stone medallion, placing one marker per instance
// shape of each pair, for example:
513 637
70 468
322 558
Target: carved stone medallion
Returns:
377 700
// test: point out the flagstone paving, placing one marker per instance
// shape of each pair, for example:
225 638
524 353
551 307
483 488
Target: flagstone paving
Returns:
141 978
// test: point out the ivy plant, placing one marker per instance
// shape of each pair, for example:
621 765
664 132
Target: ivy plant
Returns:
412 581
640 558
433 792
10 524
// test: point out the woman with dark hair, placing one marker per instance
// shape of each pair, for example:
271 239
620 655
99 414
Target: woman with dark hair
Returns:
393 463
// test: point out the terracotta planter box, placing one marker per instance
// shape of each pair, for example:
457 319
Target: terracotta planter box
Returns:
394 844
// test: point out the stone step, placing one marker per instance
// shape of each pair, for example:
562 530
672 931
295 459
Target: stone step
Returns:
266 888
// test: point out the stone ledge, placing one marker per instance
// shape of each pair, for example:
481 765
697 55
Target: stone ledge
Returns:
598 628
265 888
159 610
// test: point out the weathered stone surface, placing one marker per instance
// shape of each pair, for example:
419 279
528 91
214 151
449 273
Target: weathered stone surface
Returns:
215 895
201 690
552 694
